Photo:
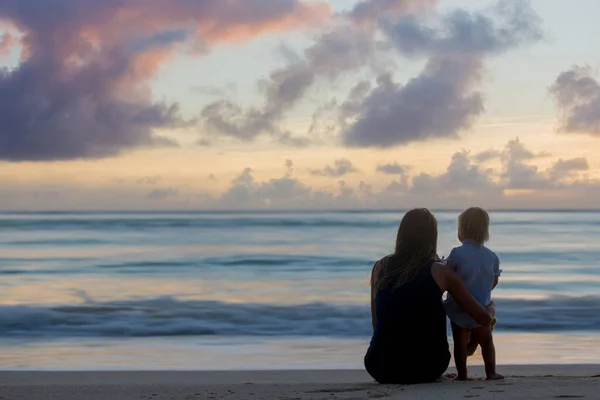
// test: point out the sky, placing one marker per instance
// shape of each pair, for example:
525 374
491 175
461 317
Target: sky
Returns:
299 104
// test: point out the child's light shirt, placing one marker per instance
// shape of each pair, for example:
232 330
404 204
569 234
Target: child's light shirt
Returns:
477 266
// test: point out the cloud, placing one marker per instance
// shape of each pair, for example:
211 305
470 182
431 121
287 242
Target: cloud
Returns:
517 184
339 168
338 50
577 95
429 106
246 192
368 11
442 100
161 194
286 192
509 24
568 168
395 187
7 42
345 47
149 180
462 176
82 90
486 155
519 174
393 169
463 182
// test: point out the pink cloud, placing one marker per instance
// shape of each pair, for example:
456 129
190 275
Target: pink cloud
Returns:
81 90
7 41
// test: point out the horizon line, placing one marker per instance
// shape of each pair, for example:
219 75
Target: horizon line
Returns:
288 210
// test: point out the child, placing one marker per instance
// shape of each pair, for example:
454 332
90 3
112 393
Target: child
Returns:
479 268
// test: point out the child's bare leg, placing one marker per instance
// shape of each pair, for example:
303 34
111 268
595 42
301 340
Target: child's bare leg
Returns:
483 336
461 338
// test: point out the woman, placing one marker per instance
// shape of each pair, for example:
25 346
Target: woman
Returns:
409 343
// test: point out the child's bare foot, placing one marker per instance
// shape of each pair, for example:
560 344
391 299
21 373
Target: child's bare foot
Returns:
461 378
495 377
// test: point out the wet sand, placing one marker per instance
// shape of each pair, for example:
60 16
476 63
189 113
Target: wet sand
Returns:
523 382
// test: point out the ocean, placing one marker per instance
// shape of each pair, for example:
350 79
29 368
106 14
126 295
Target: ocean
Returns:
264 290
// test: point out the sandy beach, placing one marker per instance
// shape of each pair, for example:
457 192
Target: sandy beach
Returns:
523 382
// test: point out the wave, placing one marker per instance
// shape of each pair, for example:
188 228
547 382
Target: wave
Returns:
166 316
194 223
128 221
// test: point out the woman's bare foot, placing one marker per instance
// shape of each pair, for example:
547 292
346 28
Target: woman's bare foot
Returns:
495 377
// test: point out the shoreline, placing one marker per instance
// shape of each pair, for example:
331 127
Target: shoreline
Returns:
258 353
523 381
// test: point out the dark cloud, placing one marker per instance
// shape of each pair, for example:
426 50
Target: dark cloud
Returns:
45 115
81 89
509 24
443 100
392 169
368 11
429 106
340 167
577 94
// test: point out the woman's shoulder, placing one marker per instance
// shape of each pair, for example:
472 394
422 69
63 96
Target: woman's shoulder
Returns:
382 262
439 273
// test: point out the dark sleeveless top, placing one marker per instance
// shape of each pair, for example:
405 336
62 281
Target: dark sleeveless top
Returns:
409 344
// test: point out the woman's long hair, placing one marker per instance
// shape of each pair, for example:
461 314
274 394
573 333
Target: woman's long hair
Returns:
416 244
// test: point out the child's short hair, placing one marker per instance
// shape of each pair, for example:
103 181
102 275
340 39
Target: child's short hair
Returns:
474 224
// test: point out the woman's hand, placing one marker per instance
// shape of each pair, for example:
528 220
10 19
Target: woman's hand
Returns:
448 280
491 309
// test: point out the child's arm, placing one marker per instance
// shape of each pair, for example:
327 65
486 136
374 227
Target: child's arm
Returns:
497 271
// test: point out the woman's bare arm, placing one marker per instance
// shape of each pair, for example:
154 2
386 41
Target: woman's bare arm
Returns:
449 281
374 277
